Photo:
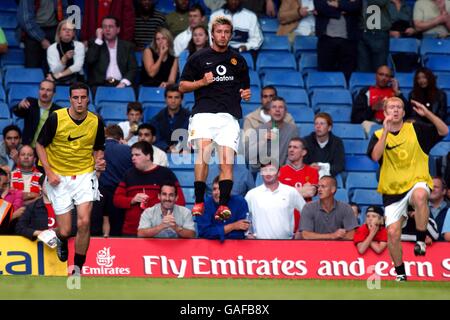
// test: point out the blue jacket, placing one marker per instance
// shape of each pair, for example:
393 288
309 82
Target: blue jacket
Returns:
118 161
210 228
164 129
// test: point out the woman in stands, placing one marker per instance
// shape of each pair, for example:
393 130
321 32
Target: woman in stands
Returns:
426 92
160 65
65 57
199 40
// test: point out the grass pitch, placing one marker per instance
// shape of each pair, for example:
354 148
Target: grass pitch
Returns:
55 288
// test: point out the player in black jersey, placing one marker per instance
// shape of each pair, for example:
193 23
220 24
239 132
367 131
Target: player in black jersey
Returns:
219 78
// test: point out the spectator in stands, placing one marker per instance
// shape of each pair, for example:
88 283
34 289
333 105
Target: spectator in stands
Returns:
271 206
111 61
373 45
297 18
247 32
356 210
38 20
178 20
11 201
148 19
325 150
327 218
130 127
426 92
26 176
337 32
432 17
262 114
199 40
196 18
107 219
233 228
401 19
261 8
439 208
368 105
371 234
95 12
445 232
241 186
160 67
147 132
166 219
12 139
169 119
272 139
3 42
36 111
140 186
65 57
409 229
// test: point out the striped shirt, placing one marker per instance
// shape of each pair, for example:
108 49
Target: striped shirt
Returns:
145 28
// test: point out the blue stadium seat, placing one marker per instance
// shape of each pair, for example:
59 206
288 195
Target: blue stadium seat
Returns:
360 180
325 80
326 98
432 46
114 113
23 76
365 197
281 79
353 146
189 196
278 61
248 57
185 177
349 131
4 111
19 91
247 108
374 128
151 111
2 94
304 44
274 43
14 57
438 63
165 6
4 123
181 161
405 81
338 113
339 181
254 79
8 21
294 96
8 6
138 55
406 45
360 163
19 122
149 95
11 37
440 149
302 114
111 94
359 80
443 81
305 129
307 63
341 195
268 25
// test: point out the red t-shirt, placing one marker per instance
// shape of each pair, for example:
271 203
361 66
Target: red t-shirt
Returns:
378 94
363 232
291 176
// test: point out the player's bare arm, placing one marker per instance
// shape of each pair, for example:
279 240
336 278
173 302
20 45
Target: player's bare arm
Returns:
53 178
188 86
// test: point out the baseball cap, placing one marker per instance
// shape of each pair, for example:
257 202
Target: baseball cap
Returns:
376 209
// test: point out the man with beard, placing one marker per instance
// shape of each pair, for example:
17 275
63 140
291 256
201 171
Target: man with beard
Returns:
148 19
178 20
36 111
166 219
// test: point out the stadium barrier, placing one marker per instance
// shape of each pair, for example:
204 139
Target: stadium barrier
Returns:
197 258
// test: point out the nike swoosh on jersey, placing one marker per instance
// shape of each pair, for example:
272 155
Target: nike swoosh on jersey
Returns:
393 147
74 138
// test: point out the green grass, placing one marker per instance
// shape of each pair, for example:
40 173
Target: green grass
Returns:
22 287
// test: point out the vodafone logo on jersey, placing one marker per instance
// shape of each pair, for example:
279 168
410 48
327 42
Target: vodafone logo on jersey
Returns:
222 71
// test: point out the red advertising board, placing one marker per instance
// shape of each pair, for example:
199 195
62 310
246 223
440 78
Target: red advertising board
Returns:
175 258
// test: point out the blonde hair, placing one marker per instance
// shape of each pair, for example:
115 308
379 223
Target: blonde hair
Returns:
69 24
393 99
221 20
166 34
